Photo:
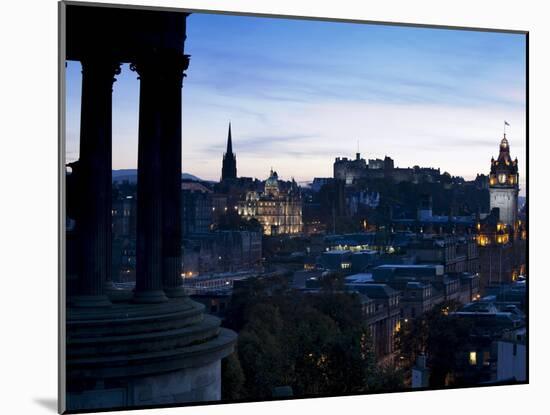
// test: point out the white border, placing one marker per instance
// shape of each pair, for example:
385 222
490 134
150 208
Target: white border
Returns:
28 217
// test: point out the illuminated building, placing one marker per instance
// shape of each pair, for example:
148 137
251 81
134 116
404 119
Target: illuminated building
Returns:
501 236
278 208
503 184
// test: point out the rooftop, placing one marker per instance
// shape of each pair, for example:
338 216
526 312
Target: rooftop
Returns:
373 290
360 278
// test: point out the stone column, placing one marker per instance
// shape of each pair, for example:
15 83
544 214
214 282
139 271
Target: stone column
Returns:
149 287
174 65
94 216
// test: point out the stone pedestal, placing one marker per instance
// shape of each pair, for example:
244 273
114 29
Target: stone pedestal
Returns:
144 354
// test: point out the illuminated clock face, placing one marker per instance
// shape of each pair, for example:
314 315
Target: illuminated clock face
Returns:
501 178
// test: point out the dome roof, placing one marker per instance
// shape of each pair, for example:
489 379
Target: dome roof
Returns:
273 179
272 183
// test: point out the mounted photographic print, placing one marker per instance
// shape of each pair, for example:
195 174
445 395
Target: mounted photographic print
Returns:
266 207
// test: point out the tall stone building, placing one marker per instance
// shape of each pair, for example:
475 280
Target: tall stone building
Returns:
501 236
229 166
278 208
503 184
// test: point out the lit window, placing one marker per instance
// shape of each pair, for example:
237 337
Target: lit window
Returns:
473 358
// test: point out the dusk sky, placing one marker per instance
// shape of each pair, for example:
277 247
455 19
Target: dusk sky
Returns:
300 93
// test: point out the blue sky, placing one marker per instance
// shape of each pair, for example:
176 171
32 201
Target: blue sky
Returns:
299 93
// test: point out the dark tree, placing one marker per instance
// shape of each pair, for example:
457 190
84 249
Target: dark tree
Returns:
316 344
441 337
232 378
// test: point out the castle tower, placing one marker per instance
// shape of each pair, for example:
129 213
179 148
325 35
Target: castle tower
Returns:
229 166
503 184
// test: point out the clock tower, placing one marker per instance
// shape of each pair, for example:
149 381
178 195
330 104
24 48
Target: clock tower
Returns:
503 184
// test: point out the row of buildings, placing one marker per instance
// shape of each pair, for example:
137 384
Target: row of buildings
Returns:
395 294
491 244
215 239
400 270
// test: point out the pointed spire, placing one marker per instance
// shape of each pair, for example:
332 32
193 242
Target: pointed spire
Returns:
229 165
229 143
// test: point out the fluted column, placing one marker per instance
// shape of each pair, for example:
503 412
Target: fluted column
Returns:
94 171
174 65
149 284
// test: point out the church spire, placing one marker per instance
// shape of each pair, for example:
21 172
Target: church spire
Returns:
229 143
229 166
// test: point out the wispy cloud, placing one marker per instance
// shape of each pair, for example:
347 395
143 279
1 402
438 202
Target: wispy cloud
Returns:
301 93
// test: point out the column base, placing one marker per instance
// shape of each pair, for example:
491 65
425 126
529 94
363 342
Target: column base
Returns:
150 297
117 295
90 301
175 292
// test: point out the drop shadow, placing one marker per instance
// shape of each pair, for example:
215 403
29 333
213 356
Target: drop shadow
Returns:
48 403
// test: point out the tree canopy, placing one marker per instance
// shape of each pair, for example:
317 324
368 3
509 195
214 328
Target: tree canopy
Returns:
438 336
316 343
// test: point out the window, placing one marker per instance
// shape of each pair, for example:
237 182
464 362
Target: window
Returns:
486 358
473 358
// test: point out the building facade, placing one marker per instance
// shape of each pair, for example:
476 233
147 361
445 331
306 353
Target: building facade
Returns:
222 251
197 213
277 209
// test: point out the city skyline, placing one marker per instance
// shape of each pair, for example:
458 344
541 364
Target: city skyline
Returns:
385 275
297 108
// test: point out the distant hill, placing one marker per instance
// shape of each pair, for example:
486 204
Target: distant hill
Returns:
130 175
